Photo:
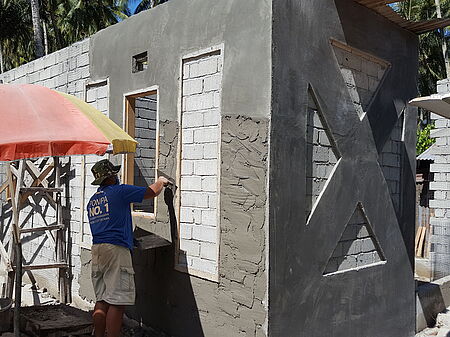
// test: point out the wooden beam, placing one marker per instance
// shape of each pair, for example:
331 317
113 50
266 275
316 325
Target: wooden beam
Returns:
41 229
44 266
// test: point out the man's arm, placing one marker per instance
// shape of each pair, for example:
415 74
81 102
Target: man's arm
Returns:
155 189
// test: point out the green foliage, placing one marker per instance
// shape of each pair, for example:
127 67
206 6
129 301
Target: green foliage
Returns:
431 60
65 21
423 137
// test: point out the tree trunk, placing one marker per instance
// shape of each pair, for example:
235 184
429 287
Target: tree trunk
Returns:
59 40
2 67
444 43
44 26
37 29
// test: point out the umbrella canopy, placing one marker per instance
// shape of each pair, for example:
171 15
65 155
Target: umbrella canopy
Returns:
437 103
39 122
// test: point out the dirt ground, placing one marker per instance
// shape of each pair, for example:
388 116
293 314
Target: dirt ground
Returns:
31 296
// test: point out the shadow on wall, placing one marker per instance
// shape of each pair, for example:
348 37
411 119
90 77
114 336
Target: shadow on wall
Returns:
158 299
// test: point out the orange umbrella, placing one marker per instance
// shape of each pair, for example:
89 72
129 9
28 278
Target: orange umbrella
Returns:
39 122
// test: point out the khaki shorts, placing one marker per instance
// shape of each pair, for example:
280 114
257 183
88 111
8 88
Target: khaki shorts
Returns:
112 274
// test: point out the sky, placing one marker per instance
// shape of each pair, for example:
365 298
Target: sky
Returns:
133 5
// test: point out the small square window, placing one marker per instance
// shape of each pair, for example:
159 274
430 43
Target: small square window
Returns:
140 62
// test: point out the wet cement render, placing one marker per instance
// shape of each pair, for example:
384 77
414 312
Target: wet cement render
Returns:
236 304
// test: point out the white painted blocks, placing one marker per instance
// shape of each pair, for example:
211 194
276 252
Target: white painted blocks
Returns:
200 127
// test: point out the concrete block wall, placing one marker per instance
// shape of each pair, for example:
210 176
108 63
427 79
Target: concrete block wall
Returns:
440 187
66 70
145 157
390 160
357 247
322 155
97 94
362 74
200 128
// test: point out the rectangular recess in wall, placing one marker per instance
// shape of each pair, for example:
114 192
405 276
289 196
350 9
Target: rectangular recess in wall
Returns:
140 62
199 164
141 123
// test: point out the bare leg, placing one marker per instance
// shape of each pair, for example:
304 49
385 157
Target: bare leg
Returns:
100 313
114 320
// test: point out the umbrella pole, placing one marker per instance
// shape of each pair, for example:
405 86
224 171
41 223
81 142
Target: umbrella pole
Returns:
15 203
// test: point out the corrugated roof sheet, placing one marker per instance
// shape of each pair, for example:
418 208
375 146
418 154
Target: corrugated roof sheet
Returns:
427 154
382 8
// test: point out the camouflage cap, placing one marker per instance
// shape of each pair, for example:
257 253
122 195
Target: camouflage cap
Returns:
102 170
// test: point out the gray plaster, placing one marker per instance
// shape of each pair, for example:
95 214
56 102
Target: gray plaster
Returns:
374 301
236 303
174 29
86 288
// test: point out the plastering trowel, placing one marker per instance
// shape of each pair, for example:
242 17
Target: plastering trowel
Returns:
146 240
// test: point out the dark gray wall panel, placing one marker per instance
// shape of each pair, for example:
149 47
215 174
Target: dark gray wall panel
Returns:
376 300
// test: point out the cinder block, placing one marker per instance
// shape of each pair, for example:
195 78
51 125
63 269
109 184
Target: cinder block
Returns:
210 151
191 247
209 184
191 183
212 83
205 167
217 99
199 102
206 135
83 60
367 245
187 167
209 217
364 259
212 200
194 199
439 204
204 265
186 71
191 87
352 61
204 233
349 262
190 215
192 151
211 118
192 119
206 66
208 251
185 231
361 80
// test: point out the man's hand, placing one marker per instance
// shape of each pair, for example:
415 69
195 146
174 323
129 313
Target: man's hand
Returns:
164 181
155 189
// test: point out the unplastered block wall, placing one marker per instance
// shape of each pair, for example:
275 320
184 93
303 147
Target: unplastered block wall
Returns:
145 157
200 129
66 70
440 187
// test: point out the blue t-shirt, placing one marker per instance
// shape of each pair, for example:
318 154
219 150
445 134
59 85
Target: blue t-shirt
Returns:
109 214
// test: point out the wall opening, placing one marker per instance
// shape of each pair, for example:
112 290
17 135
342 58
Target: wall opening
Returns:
139 62
200 164
141 123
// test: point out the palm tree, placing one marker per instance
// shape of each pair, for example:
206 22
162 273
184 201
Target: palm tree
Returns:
37 28
431 60
16 35
147 4
79 19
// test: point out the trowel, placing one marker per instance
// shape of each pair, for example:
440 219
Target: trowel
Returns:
147 240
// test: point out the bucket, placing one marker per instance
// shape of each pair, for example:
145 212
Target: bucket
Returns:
5 314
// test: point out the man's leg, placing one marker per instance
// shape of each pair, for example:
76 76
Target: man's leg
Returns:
100 314
114 320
